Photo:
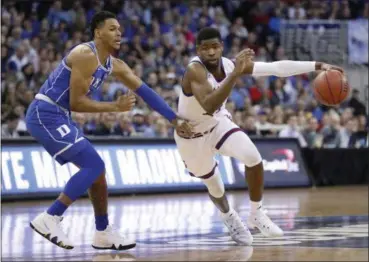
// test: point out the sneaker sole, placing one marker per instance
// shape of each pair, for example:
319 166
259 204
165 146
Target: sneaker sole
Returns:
52 240
113 247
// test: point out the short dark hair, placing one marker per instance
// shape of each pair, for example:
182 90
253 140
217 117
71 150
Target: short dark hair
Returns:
98 19
12 116
207 33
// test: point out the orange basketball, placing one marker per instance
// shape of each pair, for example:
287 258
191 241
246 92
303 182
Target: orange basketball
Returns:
331 87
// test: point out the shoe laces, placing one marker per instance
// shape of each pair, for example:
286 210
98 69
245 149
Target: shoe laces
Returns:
235 224
264 219
111 229
57 219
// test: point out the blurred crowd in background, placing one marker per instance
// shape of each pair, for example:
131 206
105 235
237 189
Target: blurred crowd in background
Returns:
158 41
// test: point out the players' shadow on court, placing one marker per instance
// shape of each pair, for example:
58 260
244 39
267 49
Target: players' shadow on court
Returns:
113 256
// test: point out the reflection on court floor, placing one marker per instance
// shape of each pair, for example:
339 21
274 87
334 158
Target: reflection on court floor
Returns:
187 227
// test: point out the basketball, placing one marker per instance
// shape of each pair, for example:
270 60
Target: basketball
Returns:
331 88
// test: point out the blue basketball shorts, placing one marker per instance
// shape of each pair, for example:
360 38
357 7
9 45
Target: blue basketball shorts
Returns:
55 130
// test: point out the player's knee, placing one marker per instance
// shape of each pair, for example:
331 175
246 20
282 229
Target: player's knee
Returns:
215 185
257 167
96 166
99 166
252 158
101 180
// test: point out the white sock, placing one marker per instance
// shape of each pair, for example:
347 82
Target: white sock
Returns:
255 206
225 215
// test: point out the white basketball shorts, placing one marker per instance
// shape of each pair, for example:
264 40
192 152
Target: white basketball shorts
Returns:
228 139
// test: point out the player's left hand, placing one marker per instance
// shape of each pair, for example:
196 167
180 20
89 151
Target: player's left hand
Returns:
326 67
183 127
249 54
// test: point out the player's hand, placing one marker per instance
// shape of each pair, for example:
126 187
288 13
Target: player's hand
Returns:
126 102
241 61
183 127
326 67
250 54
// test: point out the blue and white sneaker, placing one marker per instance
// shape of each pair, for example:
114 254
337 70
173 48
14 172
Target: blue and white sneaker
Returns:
112 239
50 228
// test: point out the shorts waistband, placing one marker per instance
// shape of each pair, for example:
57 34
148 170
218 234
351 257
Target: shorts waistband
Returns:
197 135
50 101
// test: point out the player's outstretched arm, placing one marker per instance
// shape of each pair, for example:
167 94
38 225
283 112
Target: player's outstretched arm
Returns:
285 68
210 99
84 63
125 74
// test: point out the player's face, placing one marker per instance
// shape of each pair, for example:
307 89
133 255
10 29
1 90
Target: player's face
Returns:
210 52
110 33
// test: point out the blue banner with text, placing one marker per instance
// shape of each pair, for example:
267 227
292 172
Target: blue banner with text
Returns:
27 169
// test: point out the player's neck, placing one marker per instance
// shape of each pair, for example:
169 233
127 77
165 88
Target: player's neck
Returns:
216 70
102 52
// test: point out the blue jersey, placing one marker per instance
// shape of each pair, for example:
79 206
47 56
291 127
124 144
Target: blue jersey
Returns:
56 86
48 117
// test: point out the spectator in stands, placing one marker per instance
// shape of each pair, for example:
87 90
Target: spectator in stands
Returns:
158 42
106 125
310 133
331 131
316 110
124 127
139 124
278 94
238 94
359 137
292 131
356 104
347 131
296 11
18 60
263 126
161 129
258 91
9 129
249 126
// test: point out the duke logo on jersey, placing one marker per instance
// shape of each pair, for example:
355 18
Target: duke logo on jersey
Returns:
48 117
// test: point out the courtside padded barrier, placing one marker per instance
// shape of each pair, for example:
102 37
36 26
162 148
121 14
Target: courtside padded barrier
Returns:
139 165
337 166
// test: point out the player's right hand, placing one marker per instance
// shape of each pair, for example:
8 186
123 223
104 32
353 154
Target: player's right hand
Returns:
126 102
182 127
242 60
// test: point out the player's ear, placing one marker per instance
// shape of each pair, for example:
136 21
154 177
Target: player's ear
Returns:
197 47
97 33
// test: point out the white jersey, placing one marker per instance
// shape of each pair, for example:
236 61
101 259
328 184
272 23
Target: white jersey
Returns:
189 108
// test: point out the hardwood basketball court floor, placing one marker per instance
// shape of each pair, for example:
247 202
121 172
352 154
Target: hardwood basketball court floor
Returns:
320 224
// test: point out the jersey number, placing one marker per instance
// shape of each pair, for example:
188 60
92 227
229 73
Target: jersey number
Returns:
63 130
95 82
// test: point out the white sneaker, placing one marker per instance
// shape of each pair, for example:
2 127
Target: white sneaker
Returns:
239 232
110 239
49 227
260 220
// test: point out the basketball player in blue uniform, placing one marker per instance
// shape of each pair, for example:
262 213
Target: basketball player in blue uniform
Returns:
48 120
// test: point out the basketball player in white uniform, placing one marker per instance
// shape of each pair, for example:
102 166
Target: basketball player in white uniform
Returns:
206 85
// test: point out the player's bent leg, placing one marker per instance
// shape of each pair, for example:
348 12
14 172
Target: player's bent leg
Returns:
105 236
216 191
254 173
198 157
48 223
238 231
98 194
